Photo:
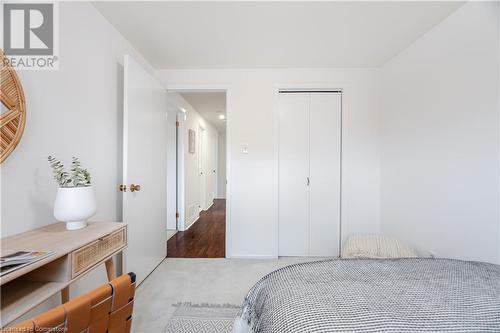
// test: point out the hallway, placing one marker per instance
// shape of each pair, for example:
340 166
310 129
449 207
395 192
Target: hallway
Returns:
206 237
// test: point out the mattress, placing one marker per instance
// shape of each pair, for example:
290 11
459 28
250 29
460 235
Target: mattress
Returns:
375 295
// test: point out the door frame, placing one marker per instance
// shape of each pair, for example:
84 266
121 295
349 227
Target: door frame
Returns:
180 188
180 163
344 90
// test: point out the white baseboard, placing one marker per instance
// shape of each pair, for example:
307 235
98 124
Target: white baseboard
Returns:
189 226
209 206
238 256
171 232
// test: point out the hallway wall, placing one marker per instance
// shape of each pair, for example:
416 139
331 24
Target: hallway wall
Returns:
191 189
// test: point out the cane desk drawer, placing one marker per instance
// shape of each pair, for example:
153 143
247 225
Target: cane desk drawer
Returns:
87 256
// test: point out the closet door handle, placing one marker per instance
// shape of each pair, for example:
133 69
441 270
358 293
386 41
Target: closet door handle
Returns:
308 181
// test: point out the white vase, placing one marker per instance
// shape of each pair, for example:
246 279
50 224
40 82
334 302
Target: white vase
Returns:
74 205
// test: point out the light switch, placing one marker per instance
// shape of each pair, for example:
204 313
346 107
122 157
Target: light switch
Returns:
244 148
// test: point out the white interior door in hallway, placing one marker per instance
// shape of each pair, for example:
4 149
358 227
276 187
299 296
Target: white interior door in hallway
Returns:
309 173
202 161
211 168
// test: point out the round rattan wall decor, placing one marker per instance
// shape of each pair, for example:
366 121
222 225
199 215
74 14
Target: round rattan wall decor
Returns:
13 116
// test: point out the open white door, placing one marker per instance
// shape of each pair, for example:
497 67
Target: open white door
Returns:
144 164
211 168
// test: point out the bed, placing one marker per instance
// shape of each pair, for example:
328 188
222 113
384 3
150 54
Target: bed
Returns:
375 295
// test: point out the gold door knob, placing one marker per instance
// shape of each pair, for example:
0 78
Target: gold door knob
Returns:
123 188
134 188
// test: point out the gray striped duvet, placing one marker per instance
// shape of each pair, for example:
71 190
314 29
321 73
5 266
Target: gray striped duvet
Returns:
365 295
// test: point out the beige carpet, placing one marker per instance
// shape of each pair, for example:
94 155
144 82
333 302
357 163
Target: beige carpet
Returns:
216 281
202 318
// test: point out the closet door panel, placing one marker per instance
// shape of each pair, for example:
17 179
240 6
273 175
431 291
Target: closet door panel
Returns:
325 143
293 172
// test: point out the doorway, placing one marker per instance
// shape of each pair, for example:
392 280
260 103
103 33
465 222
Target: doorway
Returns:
201 174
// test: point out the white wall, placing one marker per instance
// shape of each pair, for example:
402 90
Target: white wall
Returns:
252 187
440 142
221 166
192 196
76 111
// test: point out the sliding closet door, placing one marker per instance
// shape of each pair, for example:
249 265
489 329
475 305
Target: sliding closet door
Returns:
324 197
293 173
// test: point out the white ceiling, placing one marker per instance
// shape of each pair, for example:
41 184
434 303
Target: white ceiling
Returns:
209 105
272 34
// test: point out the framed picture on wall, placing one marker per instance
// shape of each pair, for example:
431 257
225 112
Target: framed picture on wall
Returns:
192 141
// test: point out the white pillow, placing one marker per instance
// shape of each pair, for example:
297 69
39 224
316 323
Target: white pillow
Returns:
375 246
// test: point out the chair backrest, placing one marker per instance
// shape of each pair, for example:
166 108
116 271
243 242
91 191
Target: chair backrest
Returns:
106 309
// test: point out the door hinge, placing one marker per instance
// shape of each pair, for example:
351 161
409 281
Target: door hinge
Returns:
176 124
177 215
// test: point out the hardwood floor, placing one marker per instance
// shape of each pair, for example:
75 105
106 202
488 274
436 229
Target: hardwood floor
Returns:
205 239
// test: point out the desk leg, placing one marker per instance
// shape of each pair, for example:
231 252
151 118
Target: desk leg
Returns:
65 295
110 269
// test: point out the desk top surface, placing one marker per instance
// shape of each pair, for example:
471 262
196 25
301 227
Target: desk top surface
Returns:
54 238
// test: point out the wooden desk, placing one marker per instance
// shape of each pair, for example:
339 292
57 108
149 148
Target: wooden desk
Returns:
75 253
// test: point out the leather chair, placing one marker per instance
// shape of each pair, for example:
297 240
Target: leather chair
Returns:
106 309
